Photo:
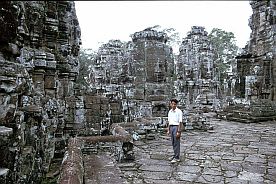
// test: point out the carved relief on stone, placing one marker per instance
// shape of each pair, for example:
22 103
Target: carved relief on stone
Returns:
195 66
31 73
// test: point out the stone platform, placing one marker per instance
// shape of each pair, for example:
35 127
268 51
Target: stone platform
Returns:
231 153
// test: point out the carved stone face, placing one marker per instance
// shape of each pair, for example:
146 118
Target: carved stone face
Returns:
256 69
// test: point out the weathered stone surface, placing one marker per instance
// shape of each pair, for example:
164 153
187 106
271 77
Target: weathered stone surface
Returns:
4 175
5 131
195 67
255 86
197 165
36 39
72 165
155 175
102 169
136 74
40 107
155 168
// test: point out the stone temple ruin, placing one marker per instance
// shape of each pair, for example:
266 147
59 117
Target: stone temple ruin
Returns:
195 72
38 58
255 83
152 63
50 128
138 74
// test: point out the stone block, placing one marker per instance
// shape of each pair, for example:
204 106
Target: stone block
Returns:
50 93
93 108
115 108
4 175
116 119
93 119
39 63
104 101
50 82
91 99
38 76
139 94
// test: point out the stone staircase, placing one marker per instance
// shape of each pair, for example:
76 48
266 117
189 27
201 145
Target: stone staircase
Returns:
257 111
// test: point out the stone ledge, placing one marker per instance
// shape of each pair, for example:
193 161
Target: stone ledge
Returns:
4 172
5 131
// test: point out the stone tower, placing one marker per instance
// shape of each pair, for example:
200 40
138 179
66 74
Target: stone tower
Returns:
111 64
195 71
256 65
256 68
104 106
152 71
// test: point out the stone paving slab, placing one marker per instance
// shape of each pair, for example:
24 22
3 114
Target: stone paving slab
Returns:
232 153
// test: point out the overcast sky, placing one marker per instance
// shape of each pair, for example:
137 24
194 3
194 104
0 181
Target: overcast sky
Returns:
101 21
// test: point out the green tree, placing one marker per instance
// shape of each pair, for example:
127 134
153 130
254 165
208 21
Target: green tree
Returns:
86 59
173 36
225 50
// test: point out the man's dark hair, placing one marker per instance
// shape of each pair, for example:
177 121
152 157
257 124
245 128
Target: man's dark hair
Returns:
174 100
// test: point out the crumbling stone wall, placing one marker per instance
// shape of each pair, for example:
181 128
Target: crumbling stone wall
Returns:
256 65
39 45
100 113
255 87
109 73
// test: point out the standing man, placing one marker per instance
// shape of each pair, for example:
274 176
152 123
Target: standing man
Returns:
174 128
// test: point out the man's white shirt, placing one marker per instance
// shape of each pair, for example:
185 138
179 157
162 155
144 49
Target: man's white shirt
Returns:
175 116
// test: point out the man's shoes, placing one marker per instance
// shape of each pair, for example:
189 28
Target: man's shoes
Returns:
175 160
171 158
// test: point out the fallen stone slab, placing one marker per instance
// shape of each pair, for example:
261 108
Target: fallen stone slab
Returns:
102 169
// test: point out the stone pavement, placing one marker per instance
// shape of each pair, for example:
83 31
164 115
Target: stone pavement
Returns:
101 169
231 153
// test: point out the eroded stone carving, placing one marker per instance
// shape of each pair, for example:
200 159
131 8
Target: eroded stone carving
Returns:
195 72
255 85
39 44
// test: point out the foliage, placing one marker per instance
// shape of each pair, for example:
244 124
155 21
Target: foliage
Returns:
86 59
225 50
173 36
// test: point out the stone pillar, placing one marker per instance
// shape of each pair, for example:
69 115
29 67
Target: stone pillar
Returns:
152 64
